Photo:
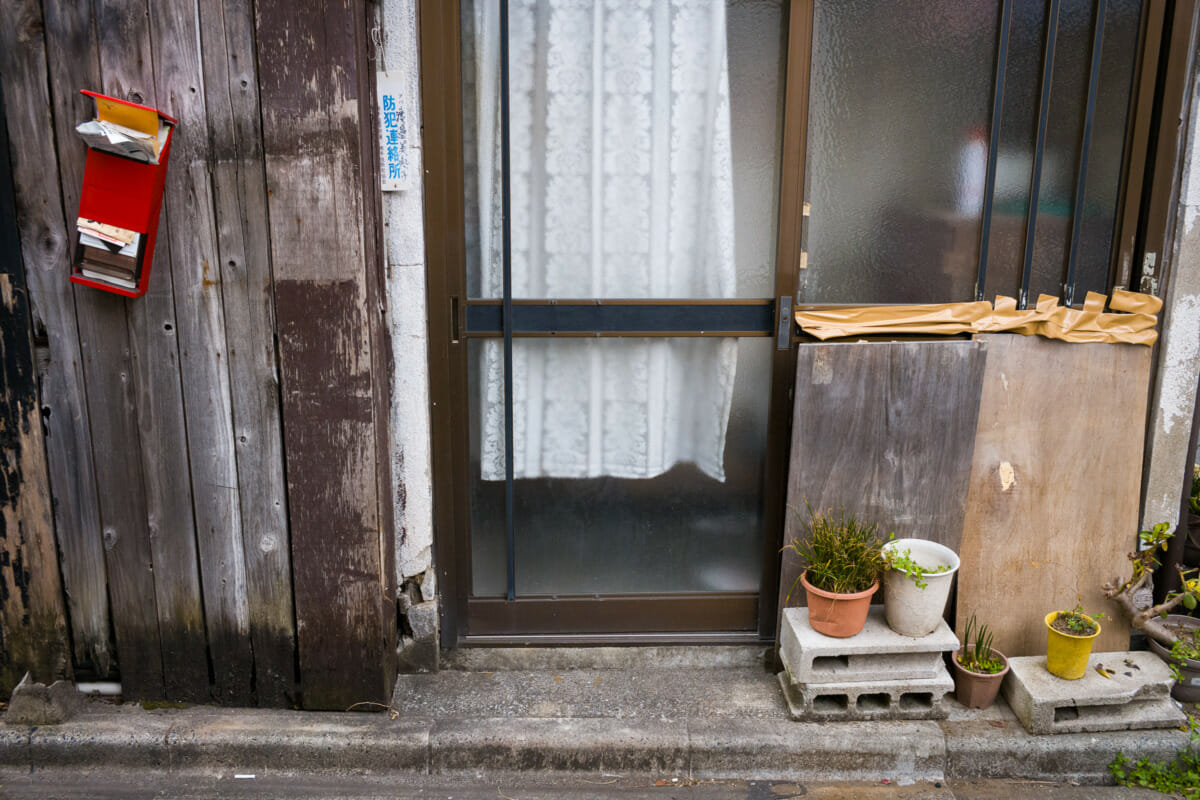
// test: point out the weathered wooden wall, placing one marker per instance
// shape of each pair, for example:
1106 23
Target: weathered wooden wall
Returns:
166 415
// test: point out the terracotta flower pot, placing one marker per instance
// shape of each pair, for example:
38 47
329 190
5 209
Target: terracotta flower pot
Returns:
977 689
837 615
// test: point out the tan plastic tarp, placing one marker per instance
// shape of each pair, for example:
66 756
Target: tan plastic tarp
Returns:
1131 319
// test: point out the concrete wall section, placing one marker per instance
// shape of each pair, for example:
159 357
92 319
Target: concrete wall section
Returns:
1173 397
405 243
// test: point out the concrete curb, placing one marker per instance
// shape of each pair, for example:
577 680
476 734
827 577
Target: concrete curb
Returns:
217 740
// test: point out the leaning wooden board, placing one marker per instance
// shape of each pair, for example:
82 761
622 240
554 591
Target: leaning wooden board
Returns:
1054 490
884 429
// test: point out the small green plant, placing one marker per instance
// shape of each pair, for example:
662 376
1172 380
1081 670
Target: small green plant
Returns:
1194 498
1076 621
1187 645
978 656
841 554
903 561
1180 777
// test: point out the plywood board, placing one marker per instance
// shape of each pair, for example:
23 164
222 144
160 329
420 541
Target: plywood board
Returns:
885 430
1053 501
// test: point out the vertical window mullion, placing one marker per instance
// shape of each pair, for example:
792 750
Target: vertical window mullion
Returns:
989 191
1084 145
506 251
1035 182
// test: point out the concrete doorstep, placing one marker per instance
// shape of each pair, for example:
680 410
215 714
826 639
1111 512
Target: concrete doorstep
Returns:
728 722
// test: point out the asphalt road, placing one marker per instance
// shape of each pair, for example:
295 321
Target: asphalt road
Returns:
127 785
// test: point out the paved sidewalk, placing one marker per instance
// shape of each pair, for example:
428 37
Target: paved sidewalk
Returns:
725 723
127 785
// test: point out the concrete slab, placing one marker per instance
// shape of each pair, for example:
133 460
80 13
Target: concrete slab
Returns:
481 746
289 741
14 746
783 750
502 659
877 653
984 750
868 700
127 737
1135 695
640 694
711 735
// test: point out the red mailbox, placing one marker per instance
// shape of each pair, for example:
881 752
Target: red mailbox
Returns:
123 179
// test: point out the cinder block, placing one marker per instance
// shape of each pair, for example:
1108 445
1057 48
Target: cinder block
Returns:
1136 695
922 698
876 654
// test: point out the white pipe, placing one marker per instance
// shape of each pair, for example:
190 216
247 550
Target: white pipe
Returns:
106 688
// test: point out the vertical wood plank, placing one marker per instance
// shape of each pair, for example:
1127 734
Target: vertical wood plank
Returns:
240 196
195 267
126 62
885 430
311 110
150 399
45 251
33 626
74 57
366 57
1053 501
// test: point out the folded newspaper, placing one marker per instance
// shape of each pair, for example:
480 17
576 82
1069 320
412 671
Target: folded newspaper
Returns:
119 140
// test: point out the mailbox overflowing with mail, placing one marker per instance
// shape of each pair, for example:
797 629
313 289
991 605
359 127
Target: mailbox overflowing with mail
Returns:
123 180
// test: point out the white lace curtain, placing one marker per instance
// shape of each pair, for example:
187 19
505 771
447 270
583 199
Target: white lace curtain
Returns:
621 187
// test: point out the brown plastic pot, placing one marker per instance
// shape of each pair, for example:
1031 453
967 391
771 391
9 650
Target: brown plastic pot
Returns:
837 615
977 689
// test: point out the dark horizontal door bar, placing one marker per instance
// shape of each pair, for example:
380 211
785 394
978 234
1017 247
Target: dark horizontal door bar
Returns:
600 318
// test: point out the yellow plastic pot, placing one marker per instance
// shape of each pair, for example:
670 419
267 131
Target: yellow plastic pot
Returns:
1066 655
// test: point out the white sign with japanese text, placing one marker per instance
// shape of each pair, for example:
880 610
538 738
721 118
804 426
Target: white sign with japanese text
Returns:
395 172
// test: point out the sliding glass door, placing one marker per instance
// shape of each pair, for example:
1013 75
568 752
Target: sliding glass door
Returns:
620 184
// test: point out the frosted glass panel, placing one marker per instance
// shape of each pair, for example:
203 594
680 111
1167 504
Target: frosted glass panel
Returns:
899 111
681 531
661 183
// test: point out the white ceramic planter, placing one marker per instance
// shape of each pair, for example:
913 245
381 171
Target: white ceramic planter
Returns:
913 611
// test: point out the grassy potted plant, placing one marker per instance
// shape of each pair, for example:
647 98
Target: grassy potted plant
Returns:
916 584
1070 634
842 561
979 668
